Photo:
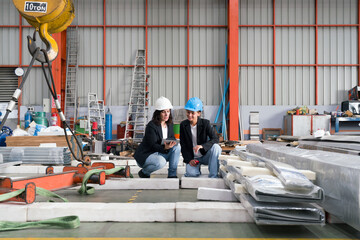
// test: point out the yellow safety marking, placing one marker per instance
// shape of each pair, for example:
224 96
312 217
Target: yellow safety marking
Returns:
134 196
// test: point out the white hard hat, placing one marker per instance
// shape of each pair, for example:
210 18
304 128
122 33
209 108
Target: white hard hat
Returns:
163 103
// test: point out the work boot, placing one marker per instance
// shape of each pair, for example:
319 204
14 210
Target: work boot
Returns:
142 175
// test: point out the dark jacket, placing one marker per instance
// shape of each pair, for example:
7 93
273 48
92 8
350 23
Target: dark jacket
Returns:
152 142
206 137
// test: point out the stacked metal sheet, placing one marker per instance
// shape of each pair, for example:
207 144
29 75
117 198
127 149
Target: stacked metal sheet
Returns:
338 174
286 199
37 155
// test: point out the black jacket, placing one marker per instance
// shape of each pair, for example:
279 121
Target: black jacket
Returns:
206 137
152 142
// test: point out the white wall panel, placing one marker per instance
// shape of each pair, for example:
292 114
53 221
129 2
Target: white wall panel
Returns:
90 80
9 46
88 12
256 45
207 45
167 46
118 86
295 45
256 85
205 84
337 11
295 86
338 45
294 12
35 88
167 12
170 83
8 13
91 46
122 43
125 12
334 84
208 12
255 12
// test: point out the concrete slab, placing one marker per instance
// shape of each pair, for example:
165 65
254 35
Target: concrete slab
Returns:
214 194
211 212
139 183
203 181
103 212
16 212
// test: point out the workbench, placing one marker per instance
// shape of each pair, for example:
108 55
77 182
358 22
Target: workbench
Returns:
344 119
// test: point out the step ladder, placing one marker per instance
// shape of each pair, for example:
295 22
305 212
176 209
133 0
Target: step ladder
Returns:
96 113
137 115
71 94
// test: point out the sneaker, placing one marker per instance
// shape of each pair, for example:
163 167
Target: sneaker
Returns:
142 175
172 177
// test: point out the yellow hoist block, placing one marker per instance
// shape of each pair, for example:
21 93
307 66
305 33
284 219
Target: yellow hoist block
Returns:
47 17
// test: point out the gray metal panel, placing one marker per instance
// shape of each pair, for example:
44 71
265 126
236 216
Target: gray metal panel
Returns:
256 45
8 13
334 83
208 12
295 86
125 12
91 47
337 11
26 56
35 88
88 12
118 86
205 84
338 45
9 46
207 45
90 80
255 12
8 83
295 45
256 85
167 46
294 12
170 83
167 12
122 43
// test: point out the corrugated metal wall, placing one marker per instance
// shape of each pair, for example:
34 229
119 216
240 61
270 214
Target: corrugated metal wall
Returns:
296 45
125 22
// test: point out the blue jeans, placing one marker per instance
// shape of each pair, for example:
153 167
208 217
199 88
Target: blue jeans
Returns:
211 158
158 160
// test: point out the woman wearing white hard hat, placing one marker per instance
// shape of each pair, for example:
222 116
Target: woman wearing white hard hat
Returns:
198 141
153 153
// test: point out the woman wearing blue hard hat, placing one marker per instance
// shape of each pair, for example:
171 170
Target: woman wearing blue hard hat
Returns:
198 141
153 153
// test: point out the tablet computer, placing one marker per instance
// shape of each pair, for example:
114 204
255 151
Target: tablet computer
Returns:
169 140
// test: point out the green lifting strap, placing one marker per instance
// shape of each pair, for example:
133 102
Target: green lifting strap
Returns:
62 222
39 191
90 190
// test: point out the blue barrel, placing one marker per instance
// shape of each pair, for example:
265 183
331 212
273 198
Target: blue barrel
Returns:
28 118
108 125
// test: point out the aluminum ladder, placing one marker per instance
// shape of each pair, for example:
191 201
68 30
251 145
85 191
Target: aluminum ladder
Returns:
71 94
137 114
96 113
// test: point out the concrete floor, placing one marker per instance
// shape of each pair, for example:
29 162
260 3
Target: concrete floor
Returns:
173 230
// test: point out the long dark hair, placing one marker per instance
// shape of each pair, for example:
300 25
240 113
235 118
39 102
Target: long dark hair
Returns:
157 119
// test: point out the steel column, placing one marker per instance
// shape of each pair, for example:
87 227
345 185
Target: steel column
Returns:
233 62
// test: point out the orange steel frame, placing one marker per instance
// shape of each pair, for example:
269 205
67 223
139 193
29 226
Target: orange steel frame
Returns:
233 58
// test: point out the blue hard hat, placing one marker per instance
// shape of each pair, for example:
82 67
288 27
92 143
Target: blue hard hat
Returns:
194 104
